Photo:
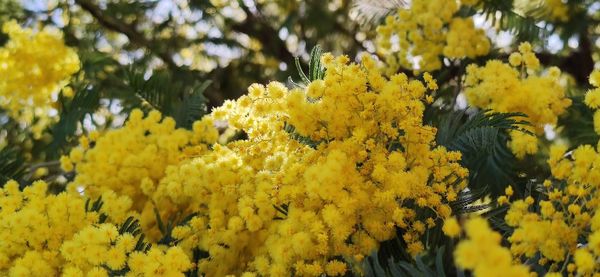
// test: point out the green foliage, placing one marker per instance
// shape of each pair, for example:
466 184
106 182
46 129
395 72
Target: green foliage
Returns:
12 165
316 71
290 129
156 91
503 15
482 140
86 101
171 97
95 206
580 122
466 198
192 107
374 11
167 229
427 264
132 226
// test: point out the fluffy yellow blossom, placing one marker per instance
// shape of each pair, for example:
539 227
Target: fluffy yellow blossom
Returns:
584 261
592 98
566 223
156 262
548 10
105 246
322 174
522 144
515 59
415 38
483 254
451 227
34 226
431 83
510 87
34 67
131 160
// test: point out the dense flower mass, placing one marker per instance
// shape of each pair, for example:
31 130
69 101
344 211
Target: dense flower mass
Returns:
510 87
482 252
366 167
34 66
50 235
555 228
335 167
559 231
132 160
568 213
415 38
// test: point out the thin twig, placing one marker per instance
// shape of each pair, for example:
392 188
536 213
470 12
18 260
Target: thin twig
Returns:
126 29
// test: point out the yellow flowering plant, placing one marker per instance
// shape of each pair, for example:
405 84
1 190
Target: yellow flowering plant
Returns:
416 37
34 66
456 139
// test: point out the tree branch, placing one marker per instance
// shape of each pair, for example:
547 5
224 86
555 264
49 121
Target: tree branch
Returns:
139 39
128 30
256 26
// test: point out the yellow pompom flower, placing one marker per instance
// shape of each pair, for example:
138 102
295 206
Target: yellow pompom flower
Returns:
132 159
291 198
451 227
522 144
584 261
416 37
34 226
510 87
34 67
482 253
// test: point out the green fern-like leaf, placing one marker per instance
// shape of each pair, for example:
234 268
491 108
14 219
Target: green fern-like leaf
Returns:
12 165
316 71
156 91
427 264
133 227
482 139
167 229
503 15
171 97
465 199
192 107
579 124
85 101
374 11
291 130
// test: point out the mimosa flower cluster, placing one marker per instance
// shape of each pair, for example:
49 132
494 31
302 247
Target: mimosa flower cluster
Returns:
132 160
482 253
510 87
325 174
556 10
567 222
559 232
548 10
592 99
562 227
34 66
59 235
320 176
416 38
